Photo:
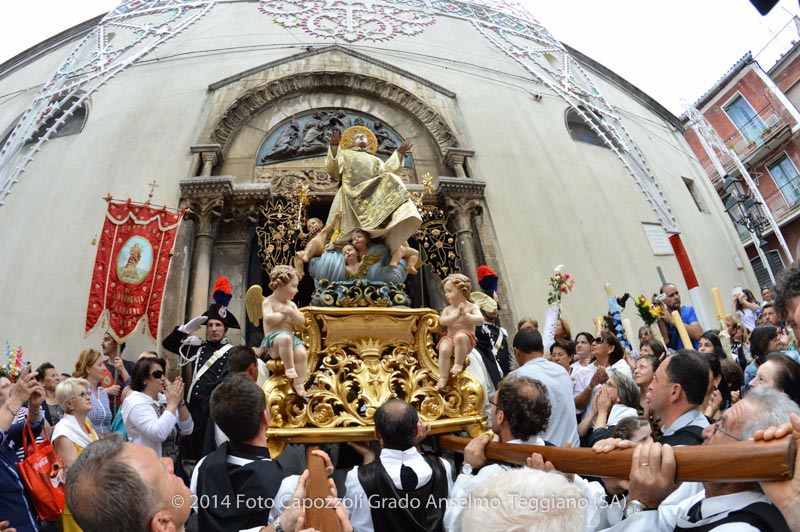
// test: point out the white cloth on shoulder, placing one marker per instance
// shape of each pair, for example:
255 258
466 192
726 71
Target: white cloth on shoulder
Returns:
72 430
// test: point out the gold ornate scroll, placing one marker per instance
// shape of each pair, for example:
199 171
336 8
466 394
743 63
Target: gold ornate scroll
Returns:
358 359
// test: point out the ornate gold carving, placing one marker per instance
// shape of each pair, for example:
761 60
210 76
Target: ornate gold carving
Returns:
358 359
436 243
359 293
278 237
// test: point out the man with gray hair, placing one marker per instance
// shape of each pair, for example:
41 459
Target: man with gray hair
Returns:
654 503
121 486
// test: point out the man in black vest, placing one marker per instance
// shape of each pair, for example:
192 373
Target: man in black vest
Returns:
676 392
208 360
402 490
236 484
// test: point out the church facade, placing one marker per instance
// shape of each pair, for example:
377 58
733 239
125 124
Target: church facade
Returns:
538 156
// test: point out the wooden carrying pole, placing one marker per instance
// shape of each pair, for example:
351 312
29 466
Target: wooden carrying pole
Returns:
742 461
318 514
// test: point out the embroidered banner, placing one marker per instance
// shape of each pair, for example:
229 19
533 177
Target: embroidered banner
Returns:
131 267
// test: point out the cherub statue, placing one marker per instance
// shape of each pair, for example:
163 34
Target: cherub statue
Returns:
460 317
352 262
319 236
405 252
279 312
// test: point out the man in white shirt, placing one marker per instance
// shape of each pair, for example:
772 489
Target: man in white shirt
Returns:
401 490
236 485
676 393
529 350
655 505
520 413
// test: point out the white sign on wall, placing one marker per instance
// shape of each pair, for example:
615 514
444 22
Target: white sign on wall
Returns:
659 242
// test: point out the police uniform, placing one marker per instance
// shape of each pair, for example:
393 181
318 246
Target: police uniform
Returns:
209 363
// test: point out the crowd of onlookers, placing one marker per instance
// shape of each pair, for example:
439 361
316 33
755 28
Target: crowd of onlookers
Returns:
128 436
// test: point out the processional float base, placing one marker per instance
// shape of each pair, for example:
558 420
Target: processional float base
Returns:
358 358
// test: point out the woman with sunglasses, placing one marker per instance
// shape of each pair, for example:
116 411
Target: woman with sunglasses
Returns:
74 432
147 424
608 354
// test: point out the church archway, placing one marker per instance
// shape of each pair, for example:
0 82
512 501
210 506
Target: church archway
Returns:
269 94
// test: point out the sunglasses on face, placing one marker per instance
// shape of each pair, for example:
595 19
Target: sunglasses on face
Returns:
599 340
157 374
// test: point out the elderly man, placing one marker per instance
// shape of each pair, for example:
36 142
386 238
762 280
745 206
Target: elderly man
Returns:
676 393
115 485
376 490
688 316
371 196
208 360
654 503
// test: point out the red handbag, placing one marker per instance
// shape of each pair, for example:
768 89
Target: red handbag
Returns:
43 474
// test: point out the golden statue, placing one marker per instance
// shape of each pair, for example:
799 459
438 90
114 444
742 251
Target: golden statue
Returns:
372 197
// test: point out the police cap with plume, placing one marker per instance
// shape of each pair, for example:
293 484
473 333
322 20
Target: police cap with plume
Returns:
219 309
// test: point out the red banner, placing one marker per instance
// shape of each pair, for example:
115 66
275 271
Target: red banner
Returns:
131 267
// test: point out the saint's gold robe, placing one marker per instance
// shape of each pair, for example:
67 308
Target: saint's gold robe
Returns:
371 197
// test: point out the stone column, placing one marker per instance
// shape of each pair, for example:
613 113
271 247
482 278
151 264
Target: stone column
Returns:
210 155
455 159
207 215
462 211
205 197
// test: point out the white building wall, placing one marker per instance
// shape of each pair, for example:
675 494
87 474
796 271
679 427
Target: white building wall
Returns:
552 200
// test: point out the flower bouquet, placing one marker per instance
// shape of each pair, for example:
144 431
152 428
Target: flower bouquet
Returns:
13 366
647 311
560 284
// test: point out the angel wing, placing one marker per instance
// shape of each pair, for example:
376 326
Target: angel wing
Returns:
252 301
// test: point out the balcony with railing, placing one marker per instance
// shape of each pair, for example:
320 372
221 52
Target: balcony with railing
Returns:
753 146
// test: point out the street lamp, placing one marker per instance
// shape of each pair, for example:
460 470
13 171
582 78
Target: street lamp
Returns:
746 211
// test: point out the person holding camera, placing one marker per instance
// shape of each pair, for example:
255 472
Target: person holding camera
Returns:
745 307
670 300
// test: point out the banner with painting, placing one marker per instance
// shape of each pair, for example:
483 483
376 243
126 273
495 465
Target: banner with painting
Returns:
130 269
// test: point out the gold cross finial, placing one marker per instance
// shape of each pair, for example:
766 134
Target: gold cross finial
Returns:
153 186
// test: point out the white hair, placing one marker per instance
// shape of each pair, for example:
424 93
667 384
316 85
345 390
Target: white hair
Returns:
773 406
526 500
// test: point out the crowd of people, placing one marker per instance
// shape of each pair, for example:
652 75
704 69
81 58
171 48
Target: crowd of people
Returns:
143 452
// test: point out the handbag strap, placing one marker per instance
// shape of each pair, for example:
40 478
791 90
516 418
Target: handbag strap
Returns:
28 439
29 444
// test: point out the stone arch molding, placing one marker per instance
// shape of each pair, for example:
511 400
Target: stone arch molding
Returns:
264 96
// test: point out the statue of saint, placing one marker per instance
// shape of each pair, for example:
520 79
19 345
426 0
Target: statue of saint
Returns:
371 197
